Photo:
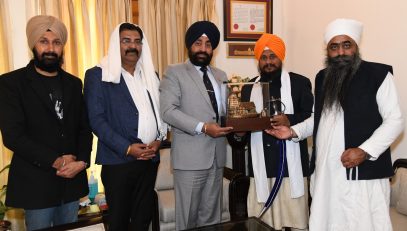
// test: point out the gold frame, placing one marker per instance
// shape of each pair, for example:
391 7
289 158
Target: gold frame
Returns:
241 30
240 50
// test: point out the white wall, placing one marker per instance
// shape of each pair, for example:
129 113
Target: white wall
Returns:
302 24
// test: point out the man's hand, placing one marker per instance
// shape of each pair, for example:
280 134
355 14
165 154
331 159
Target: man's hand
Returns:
281 132
71 169
63 160
353 157
214 130
280 120
142 151
69 158
155 145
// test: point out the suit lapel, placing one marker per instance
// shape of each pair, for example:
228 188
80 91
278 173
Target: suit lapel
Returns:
39 89
66 91
218 76
194 75
222 89
124 90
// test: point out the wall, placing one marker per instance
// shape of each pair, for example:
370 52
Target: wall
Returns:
302 24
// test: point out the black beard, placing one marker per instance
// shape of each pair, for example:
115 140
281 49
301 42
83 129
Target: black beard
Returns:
339 72
46 64
193 57
270 76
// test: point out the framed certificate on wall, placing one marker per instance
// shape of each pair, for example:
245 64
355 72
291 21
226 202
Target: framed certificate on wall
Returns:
247 20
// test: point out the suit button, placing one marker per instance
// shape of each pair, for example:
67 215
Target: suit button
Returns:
136 113
268 145
214 118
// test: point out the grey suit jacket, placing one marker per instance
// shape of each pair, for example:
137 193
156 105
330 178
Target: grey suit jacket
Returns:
184 103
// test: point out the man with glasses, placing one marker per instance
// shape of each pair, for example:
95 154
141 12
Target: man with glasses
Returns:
43 120
121 95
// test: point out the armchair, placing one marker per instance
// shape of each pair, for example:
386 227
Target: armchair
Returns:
398 198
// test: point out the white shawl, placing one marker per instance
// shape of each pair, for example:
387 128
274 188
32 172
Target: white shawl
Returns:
111 66
292 148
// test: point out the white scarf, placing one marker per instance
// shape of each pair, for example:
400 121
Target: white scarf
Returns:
292 148
111 66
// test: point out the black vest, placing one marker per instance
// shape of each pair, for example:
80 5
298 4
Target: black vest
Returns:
361 117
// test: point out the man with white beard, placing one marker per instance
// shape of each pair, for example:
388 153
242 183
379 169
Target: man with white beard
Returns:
357 117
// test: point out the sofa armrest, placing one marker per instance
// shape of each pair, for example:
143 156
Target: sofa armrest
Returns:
400 163
238 191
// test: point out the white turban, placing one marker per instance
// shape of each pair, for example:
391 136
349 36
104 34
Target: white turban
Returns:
343 26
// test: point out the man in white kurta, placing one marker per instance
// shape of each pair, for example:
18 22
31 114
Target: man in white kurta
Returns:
350 187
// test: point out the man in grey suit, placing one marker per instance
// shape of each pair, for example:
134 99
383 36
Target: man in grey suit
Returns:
191 103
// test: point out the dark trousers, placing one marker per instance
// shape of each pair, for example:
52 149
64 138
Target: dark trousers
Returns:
129 192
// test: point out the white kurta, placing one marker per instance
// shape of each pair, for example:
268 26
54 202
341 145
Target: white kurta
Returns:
341 204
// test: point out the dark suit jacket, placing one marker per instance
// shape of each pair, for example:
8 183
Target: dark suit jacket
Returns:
113 117
32 131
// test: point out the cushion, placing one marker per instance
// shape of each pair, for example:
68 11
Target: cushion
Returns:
395 187
401 205
166 201
165 175
398 220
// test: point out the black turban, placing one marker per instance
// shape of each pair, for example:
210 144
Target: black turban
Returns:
202 27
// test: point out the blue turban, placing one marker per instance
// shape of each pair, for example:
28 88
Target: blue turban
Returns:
197 29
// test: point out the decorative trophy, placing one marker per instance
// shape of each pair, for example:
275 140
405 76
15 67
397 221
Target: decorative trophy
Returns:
247 105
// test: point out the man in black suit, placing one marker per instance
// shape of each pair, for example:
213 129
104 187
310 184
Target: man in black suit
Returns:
43 120
290 207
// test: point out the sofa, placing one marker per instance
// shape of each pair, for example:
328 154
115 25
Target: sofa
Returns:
398 196
235 186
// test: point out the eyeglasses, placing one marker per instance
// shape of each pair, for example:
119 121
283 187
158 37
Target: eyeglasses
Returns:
127 41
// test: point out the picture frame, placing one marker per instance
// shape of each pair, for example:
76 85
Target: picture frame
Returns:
247 20
240 50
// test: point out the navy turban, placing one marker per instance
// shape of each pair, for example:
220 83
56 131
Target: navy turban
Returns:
199 28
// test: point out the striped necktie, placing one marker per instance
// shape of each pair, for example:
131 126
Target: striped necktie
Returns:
209 89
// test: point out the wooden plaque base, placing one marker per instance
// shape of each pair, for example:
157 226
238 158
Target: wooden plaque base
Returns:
246 124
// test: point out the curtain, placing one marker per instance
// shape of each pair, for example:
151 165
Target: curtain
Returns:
5 66
165 22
